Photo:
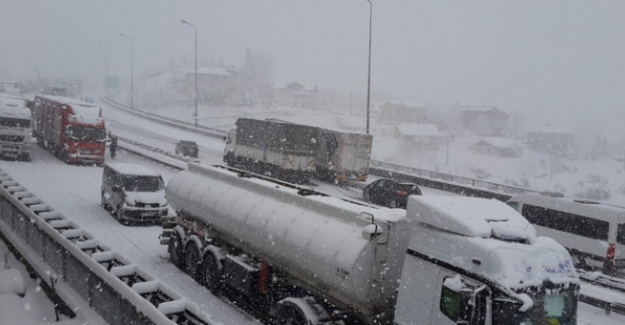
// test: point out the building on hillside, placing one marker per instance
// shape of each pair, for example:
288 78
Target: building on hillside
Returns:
498 147
484 120
395 112
419 136
295 94
216 85
551 139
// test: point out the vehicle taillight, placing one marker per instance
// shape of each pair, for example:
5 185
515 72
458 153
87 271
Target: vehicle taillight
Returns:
611 252
402 193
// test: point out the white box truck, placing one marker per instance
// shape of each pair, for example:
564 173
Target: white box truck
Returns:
15 127
304 258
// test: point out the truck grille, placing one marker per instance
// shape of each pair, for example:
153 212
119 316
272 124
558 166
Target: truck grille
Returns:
11 138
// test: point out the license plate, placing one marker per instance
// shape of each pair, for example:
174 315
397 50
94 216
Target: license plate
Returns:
149 214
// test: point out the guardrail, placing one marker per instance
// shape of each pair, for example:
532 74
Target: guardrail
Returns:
442 181
70 260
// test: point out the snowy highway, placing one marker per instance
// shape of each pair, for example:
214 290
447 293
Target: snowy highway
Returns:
75 192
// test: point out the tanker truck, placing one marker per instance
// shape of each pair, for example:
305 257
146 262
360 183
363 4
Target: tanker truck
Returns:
300 257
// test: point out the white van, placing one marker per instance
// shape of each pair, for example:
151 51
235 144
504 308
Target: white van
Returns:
593 232
134 193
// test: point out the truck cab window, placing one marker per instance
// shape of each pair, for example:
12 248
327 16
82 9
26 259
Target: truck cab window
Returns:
450 304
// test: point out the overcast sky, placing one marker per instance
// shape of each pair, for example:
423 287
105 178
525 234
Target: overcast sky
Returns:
560 62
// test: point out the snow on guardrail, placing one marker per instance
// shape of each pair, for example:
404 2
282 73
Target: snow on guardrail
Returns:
85 274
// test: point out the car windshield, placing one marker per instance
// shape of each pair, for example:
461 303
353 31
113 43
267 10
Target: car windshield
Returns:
86 134
557 308
142 183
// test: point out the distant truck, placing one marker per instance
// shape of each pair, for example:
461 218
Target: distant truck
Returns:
15 127
297 152
72 130
286 151
304 258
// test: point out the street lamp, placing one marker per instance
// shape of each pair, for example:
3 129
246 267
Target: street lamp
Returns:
132 91
195 33
106 68
369 70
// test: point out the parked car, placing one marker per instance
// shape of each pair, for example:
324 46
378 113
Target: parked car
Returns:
390 193
187 148
134 193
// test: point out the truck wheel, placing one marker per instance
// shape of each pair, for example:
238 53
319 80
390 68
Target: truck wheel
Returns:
175 249
192 260
290 316
211 275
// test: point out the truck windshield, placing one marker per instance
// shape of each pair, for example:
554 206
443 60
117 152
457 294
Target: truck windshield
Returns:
142 183
14 122
86 134
557 309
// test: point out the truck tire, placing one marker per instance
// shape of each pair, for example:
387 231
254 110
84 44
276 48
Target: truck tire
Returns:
192 260
175 249
211 274
290 315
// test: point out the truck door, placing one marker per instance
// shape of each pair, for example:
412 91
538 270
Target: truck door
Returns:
431 294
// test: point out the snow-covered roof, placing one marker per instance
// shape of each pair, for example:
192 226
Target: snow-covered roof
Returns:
218 71
407 103
471 217
503 143
67 100
477 108
132 169
549 129
418 130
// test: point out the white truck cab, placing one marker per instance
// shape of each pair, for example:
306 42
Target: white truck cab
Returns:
477 261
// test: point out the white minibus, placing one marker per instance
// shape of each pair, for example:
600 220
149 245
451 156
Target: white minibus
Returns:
593 232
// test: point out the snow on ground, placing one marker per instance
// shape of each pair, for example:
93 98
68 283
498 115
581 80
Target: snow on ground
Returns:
74 191
34 308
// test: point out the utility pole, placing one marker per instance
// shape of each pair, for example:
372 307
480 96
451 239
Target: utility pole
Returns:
195 33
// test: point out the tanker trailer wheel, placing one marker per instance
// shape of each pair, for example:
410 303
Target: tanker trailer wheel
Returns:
175 249
192 260
290 315
211 274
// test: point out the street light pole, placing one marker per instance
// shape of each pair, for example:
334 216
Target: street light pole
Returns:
106 68
132 90
195 33
369 68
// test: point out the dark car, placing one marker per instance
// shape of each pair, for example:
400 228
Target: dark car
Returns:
186 148
390 193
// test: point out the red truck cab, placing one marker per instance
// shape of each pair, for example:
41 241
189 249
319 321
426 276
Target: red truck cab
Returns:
72 130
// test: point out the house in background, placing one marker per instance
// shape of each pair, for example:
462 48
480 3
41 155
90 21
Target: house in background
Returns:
216 85
498 147
295 94
419 137
395 112
551 139
484 120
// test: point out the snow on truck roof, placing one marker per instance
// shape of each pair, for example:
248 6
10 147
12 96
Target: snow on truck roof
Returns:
471 217
84 112
132 169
